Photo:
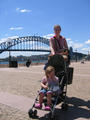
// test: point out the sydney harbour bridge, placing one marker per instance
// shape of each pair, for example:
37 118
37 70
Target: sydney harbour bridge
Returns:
28 43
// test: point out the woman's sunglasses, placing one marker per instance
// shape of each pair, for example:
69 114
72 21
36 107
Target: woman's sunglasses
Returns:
57 29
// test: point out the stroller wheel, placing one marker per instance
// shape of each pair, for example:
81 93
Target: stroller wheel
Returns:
53 117
30 113
64 106
35 112
47 117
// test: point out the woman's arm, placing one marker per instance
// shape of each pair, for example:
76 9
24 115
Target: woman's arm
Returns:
65 52
52 47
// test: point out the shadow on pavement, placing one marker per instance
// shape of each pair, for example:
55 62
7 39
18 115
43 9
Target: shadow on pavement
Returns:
78 108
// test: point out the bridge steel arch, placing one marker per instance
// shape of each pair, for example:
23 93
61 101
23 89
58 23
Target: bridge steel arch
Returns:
7 45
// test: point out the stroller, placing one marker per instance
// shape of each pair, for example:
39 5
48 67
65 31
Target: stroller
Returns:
65 75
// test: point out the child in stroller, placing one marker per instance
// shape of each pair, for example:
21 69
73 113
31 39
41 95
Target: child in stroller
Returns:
49 84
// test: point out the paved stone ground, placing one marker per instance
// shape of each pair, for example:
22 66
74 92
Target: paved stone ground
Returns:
26 81
10 113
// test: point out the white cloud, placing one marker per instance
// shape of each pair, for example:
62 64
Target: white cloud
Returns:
88 42
23 10
86 49
16 28
8 38
70 43
74 44
76 40
48 36
77 45
68 39
13 37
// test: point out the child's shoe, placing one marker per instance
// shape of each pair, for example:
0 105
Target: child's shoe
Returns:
38 106
48 108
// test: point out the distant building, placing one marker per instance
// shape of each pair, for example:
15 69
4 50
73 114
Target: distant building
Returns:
71 51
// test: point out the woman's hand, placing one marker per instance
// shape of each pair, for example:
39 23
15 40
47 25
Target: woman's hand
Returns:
63 53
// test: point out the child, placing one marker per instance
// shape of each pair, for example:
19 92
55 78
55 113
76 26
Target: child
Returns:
47 83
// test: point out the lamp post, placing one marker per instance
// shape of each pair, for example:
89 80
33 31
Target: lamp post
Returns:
88 55
9 56
76 55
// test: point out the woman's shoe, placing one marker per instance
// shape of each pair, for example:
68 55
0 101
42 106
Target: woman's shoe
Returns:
38 106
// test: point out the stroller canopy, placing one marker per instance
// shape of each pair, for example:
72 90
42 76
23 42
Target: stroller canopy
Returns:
57 61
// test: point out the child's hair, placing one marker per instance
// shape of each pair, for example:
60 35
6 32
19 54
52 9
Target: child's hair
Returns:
49 70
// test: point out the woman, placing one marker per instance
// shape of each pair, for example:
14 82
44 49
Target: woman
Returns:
58 43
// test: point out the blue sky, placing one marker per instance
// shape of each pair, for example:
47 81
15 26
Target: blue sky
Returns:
37 17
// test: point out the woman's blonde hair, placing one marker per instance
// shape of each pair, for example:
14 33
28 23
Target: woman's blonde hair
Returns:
49 70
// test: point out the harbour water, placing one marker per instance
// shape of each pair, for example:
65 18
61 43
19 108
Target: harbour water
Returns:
22 62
